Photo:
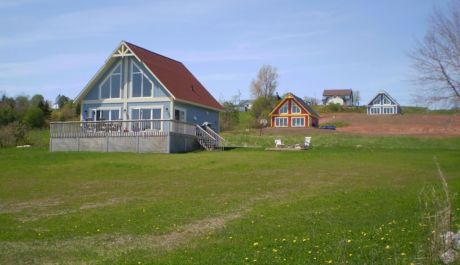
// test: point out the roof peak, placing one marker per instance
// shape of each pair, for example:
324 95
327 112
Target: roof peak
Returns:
139 47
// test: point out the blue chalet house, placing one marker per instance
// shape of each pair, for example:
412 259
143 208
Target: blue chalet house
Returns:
141 101
383 104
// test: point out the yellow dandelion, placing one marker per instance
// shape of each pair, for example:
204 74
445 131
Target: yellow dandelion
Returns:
255 244
403 254
350 254
329 261
254 260
293 241
246 259
349 241
387 246
284 239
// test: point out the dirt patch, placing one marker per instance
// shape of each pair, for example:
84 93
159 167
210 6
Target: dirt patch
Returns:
359 123
109 245
410 124
28 205
35 211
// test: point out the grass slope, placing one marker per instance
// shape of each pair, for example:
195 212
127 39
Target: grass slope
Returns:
335 203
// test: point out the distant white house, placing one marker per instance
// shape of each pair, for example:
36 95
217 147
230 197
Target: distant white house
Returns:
342 97
245 105
383 104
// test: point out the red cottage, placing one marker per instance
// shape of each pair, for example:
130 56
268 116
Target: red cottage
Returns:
292 111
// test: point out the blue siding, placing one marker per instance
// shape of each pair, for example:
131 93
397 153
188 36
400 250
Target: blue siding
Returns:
199 115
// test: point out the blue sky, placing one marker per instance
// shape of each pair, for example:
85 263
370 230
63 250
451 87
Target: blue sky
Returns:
55 47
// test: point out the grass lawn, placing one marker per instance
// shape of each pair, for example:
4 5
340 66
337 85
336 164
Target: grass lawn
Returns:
349 200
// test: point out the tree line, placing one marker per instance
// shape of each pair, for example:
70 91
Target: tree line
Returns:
20 114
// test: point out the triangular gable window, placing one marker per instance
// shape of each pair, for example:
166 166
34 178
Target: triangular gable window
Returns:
386 100
141 85
377 101
284 108
295 108
111 86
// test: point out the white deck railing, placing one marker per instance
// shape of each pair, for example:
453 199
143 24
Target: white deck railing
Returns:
84 129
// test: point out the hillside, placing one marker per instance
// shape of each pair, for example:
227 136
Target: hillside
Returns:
407 124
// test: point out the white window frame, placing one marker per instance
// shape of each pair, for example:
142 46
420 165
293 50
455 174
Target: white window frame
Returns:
277 124
375 110
388 110
294 105
93 118
151 108
379 101
385 98
109 76
284 105
142 82
297 118
180 109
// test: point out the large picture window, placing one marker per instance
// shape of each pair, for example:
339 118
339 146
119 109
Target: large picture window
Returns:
281 122
141 85
388 110
295 108
111 86
375 110
105 115
146 114
284 108
298 122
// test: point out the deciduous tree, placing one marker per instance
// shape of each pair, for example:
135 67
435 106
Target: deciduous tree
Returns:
436 58
265 83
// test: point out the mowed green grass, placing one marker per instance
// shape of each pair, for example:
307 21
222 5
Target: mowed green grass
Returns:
348 200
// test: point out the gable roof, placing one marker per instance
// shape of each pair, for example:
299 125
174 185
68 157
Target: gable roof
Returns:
386 94
337 92
299 101
176 78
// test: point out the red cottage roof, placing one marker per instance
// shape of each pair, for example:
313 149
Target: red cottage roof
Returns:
176 77
337 92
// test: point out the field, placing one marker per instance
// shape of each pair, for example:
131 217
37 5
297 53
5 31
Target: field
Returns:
407 124
349 200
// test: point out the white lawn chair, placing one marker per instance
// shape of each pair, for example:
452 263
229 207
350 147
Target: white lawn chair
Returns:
307 142
278 143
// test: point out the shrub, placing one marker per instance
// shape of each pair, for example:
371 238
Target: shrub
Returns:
12 134
260 109
35 118
68 112
230 117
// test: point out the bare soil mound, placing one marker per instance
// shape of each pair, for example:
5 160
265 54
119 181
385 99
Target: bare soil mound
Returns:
406 124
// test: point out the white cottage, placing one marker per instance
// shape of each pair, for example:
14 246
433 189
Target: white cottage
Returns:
383 104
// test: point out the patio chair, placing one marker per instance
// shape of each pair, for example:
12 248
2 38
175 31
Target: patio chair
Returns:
278 143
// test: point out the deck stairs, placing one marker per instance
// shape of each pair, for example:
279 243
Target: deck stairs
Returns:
209 139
